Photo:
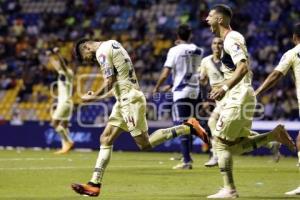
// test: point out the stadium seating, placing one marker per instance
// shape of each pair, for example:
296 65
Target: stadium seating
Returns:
146 30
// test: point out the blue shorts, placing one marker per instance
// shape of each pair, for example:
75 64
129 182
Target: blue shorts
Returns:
183 109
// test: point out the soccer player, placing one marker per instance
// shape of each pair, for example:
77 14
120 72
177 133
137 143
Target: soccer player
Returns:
129 111
290 60
64 107
182 61
210 70
232 132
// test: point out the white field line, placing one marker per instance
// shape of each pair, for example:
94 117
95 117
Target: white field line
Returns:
71 167
30 159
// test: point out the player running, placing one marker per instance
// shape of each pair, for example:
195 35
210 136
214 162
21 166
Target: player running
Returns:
129 111
290 60
210 70
232 133
64 108
182 61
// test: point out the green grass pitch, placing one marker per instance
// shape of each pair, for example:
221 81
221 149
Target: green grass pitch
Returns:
38 175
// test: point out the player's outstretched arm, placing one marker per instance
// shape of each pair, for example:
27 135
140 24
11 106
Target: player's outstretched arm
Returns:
239 73
63 64
270 82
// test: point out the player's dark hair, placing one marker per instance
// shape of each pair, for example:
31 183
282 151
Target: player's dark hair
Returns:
223 9
296 29
184 32
77 48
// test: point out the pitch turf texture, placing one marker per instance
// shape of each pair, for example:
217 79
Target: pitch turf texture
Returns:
35 175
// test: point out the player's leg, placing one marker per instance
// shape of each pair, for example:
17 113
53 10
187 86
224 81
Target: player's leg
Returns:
61 117
273 146
228 129
67 143
212 121
136 122
182 110
107 138
250 143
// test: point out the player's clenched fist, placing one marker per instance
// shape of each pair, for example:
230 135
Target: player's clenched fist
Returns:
88 97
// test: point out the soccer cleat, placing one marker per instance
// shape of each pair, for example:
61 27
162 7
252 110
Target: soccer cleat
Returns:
275 151
183 166
282 136
198 130
213 161
89 189
294 192
66 148
224 193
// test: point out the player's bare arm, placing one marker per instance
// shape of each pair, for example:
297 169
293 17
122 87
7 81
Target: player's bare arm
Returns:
163 77
270 82
203 79
104 92
63 64
241 70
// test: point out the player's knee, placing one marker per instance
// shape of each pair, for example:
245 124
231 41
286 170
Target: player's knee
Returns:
106 140
59 128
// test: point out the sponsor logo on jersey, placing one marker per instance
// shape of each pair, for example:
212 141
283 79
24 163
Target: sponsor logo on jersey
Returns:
102 59
115 45
235 47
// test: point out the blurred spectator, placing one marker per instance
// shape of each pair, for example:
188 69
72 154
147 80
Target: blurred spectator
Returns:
28 28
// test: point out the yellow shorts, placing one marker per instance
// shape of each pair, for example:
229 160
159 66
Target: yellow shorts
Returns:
63 111
236 115
129 113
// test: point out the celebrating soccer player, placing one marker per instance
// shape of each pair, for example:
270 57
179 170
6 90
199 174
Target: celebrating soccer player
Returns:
290 60
64 107
232 132
129 111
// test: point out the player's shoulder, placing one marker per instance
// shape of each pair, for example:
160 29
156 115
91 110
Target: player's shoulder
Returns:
295 50
207 58
292 53
232 37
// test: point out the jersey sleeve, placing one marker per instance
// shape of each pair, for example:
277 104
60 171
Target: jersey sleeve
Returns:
104 58
202 69
170 62
285 63
235 49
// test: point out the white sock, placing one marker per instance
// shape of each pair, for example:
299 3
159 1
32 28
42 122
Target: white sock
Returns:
64 134
298 156
101 163
213 148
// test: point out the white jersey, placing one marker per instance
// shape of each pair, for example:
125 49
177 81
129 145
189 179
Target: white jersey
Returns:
114 60
184 59
291 60
234 51
65 86
211 70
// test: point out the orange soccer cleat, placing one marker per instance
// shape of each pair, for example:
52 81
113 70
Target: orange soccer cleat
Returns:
89 189
198 130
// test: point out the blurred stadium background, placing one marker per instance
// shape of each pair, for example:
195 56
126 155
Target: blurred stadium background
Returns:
146 29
